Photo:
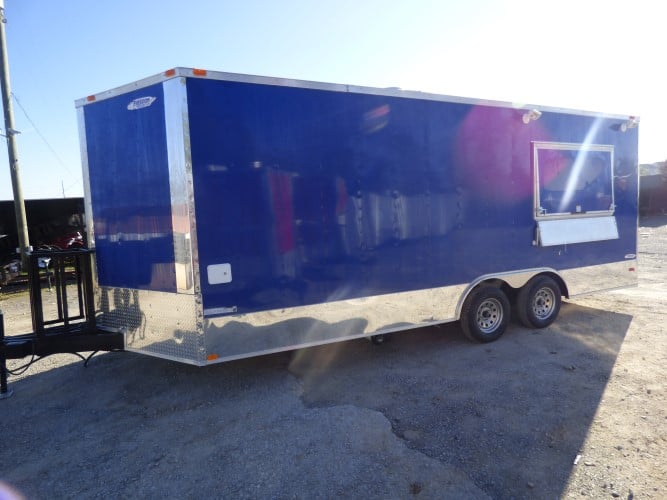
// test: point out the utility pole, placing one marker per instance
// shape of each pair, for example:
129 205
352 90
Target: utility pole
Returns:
10 133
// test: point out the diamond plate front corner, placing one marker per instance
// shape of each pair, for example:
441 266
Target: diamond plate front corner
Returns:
165 325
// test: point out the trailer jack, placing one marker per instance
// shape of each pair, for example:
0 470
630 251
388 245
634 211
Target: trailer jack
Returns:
73 329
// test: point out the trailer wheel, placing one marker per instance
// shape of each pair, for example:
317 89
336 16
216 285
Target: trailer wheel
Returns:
538 302
485 314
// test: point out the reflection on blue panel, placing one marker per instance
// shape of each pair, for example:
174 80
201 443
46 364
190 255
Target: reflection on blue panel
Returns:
127 161
313 195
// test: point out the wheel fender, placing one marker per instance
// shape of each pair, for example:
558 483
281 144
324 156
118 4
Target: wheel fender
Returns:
514 279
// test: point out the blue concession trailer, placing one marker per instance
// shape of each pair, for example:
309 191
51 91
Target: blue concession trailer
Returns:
235 215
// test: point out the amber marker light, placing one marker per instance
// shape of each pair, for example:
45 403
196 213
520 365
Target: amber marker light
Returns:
170 72
90 98
199 72
212 357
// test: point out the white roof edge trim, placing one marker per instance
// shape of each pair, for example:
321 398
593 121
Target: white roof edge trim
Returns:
180 72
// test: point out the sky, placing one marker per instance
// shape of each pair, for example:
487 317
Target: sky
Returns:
583 54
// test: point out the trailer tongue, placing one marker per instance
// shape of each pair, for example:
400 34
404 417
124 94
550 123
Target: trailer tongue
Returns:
71 330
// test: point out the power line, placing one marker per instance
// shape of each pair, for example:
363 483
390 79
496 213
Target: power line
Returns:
62 163
72 184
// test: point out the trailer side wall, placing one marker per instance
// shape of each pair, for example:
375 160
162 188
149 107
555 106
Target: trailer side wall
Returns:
235 216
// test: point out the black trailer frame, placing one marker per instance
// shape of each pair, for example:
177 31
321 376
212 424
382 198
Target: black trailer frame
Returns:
71 331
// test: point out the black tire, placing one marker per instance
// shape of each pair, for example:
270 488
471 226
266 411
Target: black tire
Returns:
485 314
538 302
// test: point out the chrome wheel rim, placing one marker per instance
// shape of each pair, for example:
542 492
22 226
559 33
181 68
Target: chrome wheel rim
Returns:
489 315
544 303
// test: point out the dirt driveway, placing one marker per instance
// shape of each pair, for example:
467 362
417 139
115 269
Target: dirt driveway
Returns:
577 409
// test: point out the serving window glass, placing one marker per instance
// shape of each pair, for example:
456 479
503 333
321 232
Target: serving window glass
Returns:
573 179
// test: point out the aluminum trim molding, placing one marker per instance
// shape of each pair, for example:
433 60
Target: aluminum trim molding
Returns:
515 279
180 181
336 87
603 277
123 89
168 325
159 324
88 204
244 335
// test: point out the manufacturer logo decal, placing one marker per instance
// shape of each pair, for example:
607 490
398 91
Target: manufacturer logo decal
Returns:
141 102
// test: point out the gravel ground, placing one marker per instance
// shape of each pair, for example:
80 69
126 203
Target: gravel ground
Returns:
577 409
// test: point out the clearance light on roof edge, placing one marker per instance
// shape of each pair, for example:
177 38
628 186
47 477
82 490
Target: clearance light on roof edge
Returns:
170 72
531 115
632 122
90 98
199 72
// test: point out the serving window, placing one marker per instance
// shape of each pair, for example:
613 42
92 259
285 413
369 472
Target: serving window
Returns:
573 179
574 193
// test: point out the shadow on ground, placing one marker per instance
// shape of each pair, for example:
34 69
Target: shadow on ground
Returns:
653 221
511 416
